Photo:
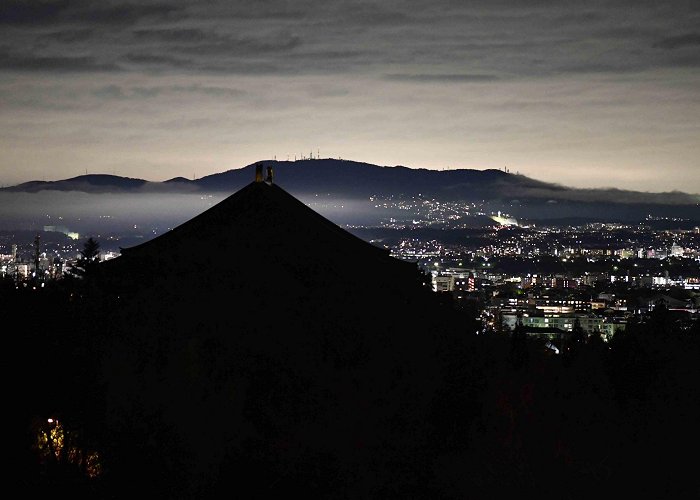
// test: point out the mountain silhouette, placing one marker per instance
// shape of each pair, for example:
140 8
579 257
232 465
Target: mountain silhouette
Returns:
90 183
351 179
328 183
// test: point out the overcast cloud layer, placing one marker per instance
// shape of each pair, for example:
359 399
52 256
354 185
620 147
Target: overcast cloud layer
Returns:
587 94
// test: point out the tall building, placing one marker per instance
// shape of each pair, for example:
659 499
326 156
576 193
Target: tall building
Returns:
444 283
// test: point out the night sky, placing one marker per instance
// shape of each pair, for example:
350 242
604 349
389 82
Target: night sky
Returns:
587 94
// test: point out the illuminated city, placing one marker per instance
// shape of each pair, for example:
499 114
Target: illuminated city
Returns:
506 271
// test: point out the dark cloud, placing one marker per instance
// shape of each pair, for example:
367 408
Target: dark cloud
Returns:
675 42
593 67
126 92
38 12
208 90
270 10
330 55
448 42
427 78
195 50
110 92
318 91
609 196
24 62
190 63
245 46
172 35
151 59
251 68
124 14
31 12
376 14
576 18
69 35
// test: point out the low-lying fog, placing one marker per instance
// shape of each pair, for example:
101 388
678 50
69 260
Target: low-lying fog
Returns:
128 213
146 215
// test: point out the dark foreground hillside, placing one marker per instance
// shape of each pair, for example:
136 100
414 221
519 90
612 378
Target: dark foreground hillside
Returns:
259 351
505 418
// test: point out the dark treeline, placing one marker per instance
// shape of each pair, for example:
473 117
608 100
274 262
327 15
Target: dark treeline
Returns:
508 417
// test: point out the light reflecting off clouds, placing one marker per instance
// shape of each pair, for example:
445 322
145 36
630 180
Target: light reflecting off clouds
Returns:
590 94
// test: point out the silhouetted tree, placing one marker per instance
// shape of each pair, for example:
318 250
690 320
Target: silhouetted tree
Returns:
424 278
88 260
596 343
578 334
37 250
660 320
518 348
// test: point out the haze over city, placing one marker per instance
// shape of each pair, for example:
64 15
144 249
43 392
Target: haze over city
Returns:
600 95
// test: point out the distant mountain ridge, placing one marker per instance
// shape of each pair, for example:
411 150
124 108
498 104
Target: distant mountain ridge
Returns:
351 179
89 183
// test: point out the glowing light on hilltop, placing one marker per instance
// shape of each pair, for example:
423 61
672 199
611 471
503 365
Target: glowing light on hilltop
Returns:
504 221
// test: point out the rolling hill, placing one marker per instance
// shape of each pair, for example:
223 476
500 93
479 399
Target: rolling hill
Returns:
336 179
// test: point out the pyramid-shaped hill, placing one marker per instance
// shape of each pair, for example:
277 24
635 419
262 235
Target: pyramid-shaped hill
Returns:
259 345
